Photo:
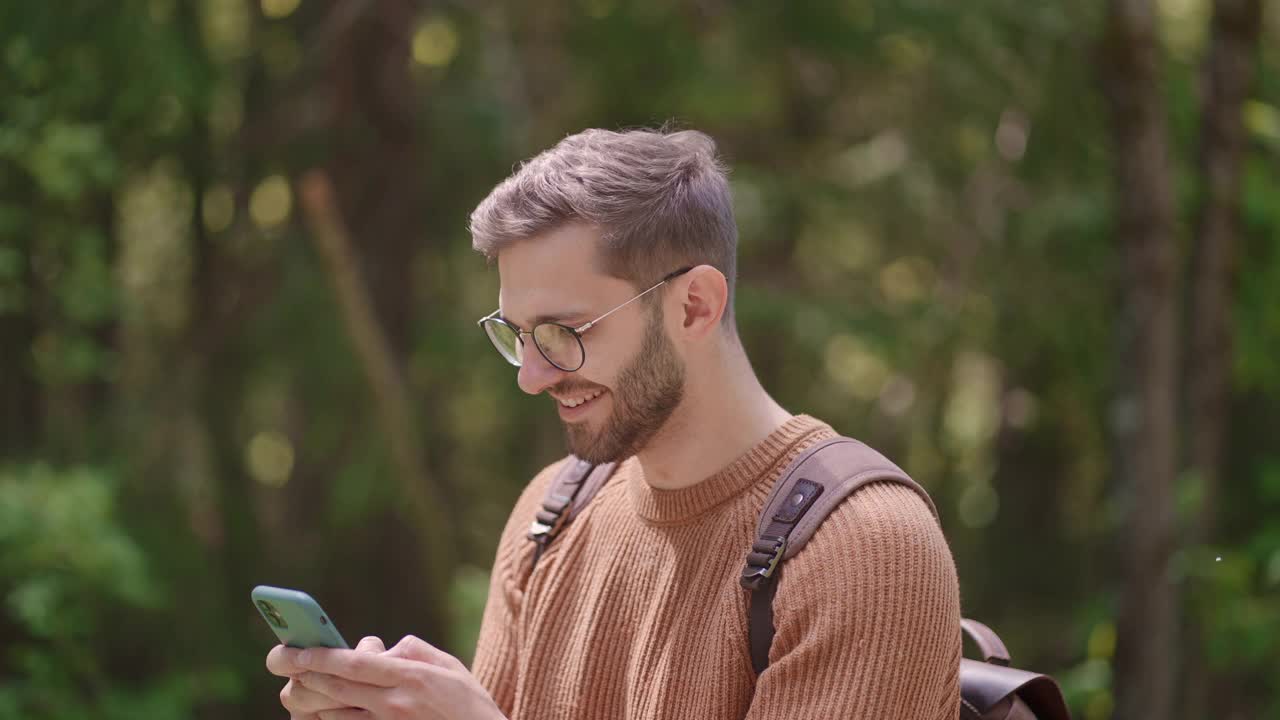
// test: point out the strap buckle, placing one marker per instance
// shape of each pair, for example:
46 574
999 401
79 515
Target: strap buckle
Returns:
551 517
542 532
762 562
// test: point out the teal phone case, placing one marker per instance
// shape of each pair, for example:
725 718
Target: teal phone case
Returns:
296 618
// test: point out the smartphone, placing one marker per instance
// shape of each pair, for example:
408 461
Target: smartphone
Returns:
296 618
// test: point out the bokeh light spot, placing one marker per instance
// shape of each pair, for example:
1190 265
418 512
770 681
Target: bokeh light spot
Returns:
218 208
973 411
906 280
1262 119
271 202
1102 641
270 458
897 396
855 368
435 43
277 9
1012 134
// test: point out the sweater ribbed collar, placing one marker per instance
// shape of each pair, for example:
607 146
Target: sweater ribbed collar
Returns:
669 506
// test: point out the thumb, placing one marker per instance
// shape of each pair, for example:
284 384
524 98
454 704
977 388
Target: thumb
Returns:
371 644
413 648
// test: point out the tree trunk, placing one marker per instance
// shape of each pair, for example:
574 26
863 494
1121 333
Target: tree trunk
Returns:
370 228
386 381
1146 233
21 413
1228 76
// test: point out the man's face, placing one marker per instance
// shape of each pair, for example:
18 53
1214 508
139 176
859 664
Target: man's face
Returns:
633 378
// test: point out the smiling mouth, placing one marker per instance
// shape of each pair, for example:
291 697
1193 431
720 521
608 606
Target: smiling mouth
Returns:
578 400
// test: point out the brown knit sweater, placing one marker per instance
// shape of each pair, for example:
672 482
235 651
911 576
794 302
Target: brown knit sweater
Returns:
635 610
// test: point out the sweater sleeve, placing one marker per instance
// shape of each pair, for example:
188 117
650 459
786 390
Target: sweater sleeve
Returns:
867 617
498 646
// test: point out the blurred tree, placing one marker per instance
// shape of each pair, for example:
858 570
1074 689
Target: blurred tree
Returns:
1229 70
1146 230
930 259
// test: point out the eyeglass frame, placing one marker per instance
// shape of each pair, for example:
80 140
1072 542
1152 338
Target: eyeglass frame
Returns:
576 332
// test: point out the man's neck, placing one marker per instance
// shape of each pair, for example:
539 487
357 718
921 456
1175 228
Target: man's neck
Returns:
723 415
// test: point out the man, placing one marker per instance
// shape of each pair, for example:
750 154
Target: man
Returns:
616 253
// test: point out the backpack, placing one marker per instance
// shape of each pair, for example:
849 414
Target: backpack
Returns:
811 487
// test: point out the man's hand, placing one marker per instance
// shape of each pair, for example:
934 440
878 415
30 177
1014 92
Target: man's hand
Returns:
411 680
304 703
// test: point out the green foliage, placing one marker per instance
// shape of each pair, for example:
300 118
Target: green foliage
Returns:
1257 317
467 599
924 195
66 569
1236 589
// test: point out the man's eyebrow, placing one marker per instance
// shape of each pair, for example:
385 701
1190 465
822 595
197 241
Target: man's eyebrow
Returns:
562 318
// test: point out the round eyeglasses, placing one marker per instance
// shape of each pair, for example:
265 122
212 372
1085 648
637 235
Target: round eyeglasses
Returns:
560 344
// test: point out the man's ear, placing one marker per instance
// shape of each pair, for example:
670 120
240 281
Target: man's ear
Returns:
703 296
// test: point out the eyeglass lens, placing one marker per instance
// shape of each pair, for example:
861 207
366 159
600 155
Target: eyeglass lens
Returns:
558 344
506 340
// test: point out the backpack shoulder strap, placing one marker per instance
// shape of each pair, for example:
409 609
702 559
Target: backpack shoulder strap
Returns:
811 487
573 487
809 490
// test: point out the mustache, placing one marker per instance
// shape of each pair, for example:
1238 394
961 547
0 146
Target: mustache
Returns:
570 388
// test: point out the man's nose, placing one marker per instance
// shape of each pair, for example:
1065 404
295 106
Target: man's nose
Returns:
536 374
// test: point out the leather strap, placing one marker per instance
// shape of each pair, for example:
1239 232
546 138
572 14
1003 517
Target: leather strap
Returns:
760 623
810 488
989 644
841 466
573 487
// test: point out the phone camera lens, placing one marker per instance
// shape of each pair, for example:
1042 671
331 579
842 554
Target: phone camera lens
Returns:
272 615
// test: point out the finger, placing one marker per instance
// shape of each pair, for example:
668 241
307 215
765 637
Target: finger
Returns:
371 644
373 669
281 661
346 693
302 700
414 648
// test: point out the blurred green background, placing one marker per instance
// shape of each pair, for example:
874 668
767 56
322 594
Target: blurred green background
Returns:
990 238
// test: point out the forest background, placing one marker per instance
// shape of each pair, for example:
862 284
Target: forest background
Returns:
1029 250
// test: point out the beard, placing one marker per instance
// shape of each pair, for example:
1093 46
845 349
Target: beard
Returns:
646 394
